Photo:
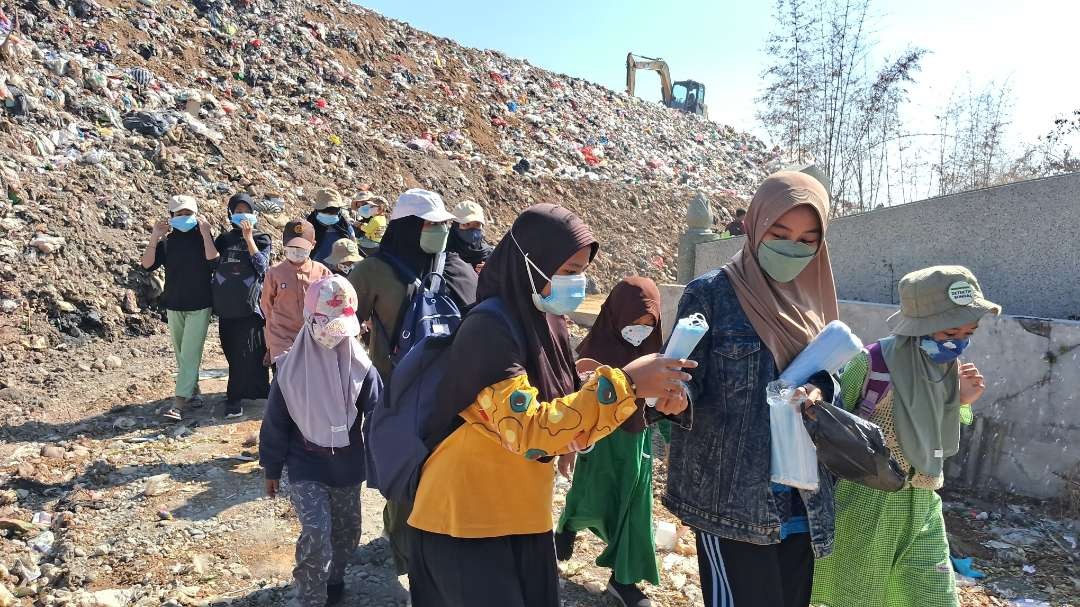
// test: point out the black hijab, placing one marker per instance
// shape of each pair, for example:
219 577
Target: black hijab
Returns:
235 236
473 254
550 234
484 351
631 299
402 240
241 198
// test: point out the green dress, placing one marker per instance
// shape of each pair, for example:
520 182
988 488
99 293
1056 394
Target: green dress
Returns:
612 497
891 549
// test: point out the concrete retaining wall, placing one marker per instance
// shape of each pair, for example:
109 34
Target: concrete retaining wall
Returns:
1030 415
1019 240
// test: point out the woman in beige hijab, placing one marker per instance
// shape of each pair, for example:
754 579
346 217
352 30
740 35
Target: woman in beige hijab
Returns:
756 540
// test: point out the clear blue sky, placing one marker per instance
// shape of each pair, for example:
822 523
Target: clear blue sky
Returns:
719 42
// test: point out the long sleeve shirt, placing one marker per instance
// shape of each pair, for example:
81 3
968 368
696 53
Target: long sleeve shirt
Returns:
282 301
483 480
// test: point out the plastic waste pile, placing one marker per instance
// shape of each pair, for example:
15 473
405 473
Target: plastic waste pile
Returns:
110 108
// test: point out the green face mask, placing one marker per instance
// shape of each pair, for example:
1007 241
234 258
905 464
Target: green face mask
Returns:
433 238
783 260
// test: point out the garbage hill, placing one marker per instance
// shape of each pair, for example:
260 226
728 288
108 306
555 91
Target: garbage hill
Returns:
111 106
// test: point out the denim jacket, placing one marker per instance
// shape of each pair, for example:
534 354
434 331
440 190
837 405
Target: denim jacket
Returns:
718 478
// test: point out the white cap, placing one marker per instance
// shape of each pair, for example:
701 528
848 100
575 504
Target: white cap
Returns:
468 211
424 204
183 203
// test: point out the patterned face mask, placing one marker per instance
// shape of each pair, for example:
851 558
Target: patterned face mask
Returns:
330 306
324 330
944 351
635 335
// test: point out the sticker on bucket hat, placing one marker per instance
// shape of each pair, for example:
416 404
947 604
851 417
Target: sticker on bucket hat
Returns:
962 293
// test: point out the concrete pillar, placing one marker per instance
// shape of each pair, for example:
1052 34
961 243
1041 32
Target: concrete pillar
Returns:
699 221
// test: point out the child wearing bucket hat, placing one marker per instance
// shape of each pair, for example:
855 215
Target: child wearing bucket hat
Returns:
325 386
891 548
331 222
371 221
342 258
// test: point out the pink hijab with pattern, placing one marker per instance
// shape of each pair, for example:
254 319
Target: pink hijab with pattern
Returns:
322 374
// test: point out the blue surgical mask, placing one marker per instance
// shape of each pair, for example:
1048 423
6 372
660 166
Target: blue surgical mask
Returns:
567 291
474 236
238 218
944 351
365 211
184 223
327 219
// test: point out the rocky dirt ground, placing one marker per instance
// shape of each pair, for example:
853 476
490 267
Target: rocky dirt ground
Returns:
110 106
103 503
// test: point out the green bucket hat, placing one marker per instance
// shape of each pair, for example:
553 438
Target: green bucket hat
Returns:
939 298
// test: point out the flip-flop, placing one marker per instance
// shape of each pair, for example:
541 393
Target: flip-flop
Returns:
172 413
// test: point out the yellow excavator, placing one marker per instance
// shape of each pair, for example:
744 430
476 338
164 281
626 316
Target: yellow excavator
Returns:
684 95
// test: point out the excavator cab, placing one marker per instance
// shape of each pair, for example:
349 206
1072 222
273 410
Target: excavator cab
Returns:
685 95
688 96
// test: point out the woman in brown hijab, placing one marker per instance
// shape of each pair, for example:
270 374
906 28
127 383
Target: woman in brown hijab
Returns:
756 540
612 492
511 400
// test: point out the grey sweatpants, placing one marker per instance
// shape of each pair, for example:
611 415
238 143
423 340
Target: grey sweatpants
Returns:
330 521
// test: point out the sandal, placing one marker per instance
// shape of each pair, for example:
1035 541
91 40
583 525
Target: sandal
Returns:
628 595
172 413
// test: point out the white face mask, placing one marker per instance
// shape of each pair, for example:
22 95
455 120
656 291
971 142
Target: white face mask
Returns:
635 335
296 254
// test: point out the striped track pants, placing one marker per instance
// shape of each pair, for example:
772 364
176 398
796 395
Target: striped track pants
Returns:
740 574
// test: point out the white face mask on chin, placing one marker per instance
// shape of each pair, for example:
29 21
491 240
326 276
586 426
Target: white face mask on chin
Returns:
635 335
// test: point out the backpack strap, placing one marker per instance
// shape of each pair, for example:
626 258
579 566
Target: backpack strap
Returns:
412 285
878 381
495 306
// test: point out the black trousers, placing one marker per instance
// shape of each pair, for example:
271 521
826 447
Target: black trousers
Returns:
740 574
244 345
508 571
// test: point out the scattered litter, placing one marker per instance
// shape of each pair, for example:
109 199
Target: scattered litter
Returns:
666 536
43 543
966 567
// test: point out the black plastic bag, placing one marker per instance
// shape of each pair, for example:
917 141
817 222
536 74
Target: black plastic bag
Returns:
146 123
854 448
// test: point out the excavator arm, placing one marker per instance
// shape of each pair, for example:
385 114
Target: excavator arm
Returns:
635 63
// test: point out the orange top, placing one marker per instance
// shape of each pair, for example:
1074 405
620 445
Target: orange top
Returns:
482 481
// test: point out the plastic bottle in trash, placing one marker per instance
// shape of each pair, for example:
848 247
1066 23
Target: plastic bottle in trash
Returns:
684 338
